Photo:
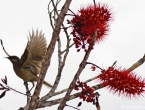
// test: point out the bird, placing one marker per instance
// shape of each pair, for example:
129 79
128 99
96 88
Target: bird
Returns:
29 65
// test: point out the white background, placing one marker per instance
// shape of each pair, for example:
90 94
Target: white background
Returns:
125 43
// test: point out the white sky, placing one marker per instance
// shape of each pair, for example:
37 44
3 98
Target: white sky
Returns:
125 43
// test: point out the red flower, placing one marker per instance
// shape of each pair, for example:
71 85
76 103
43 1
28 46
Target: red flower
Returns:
87 93
93 68
122 81
89 20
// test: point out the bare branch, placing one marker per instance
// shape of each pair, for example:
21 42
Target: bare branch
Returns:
80 69
50 50
66 48
64 90
61 62
137 64
4 48
94 65
57 101
72 107
51 93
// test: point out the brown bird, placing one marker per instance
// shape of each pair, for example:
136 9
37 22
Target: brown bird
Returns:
29 66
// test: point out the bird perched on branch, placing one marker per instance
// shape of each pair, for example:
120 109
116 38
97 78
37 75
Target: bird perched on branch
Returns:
29 65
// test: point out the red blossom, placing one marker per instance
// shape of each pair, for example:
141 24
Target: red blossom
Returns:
93 68
87 93
122 81
89 20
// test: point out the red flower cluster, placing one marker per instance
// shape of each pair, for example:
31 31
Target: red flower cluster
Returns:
87 93
122 81
93 18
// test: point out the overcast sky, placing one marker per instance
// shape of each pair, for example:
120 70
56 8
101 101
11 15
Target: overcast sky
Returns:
125 43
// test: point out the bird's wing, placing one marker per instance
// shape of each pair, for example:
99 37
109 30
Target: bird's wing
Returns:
34 53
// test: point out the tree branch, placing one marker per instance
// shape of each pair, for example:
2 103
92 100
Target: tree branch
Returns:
61 62
137 64
64 90
50 50
70 97
80 69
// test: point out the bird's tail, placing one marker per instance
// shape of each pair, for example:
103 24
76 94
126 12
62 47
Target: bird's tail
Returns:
47 84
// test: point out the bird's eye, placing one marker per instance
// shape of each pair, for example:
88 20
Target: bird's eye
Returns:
14 59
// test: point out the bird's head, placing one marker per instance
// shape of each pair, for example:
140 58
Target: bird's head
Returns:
14 59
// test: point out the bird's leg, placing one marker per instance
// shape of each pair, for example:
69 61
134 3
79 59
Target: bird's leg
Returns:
32 85
27 92
27 89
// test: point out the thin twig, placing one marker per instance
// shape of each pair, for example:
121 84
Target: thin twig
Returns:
4 48
17 91
69 47
72 107
94 1
94 65
114 63
72 12
57 2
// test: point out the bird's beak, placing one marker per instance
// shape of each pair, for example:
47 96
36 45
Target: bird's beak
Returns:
6 57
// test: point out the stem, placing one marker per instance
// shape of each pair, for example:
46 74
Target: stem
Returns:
73 107
94 65
4 48
72 12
